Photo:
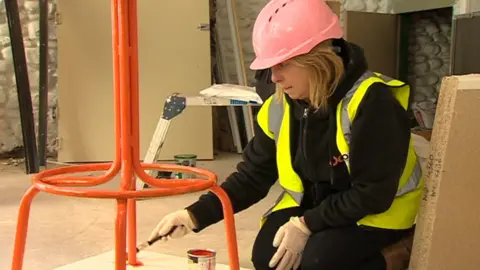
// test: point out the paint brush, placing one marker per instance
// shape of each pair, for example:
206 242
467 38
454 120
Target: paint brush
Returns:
151 242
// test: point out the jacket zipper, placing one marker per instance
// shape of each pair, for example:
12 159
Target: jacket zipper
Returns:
304 134
304 146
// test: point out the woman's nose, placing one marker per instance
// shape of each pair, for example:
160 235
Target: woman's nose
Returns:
276 78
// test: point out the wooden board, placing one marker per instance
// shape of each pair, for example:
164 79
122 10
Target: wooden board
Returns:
446 236
174 56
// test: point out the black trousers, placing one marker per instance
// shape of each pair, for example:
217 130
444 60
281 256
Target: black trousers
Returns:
343 248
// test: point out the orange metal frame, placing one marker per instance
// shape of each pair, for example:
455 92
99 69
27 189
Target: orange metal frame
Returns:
126 162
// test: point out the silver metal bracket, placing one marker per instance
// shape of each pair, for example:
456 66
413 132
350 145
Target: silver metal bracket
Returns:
204 27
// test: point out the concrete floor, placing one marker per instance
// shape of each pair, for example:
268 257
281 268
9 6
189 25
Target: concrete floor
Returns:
87 226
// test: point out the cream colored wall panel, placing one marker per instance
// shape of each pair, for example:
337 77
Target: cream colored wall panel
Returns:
467 6
377 35
174 57
395 6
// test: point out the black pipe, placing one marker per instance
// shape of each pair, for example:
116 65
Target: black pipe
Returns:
43 83
23 86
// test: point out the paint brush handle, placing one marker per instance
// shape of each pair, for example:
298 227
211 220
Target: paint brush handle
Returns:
151 242
158 237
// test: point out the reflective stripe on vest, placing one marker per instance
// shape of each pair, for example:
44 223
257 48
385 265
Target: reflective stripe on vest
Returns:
347 110
275 122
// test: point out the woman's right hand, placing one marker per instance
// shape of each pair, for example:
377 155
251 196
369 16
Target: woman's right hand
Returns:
180 219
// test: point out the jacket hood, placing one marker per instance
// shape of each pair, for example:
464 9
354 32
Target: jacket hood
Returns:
355 65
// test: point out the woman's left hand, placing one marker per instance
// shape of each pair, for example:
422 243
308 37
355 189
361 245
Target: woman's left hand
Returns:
290 240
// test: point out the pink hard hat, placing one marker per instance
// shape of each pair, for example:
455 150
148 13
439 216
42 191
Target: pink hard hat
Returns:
287 28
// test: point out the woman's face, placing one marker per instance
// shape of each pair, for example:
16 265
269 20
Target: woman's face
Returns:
292 78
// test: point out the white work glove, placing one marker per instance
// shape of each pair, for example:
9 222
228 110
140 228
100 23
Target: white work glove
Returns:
290 240
181 219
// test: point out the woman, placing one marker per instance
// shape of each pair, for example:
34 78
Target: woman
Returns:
337 138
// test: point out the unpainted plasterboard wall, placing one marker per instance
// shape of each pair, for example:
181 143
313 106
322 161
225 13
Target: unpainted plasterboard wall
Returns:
466 6
167 64
377 34
10 127
465 45
394 6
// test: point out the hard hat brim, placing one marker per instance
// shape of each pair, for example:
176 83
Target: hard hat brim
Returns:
259 64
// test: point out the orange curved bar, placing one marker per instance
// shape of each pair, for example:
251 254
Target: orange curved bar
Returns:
51 176
126 161
22 228
164 183
229 227
56 176
122 194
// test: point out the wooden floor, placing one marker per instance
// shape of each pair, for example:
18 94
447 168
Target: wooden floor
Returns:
151 261
63 230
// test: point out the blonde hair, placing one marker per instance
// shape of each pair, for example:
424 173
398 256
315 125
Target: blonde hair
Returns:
326 70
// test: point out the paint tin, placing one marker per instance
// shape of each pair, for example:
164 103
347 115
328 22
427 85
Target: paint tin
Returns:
201 259
185 160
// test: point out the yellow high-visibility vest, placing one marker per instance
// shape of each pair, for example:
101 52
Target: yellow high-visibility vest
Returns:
274 120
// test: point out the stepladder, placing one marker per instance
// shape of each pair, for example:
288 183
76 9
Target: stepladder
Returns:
175 104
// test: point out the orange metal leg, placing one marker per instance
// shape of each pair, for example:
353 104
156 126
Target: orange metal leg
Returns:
126 162
22 228
132 232
120 238
134 126
126 134
229 227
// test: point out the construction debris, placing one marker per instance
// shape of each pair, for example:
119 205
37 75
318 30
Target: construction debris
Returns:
13 162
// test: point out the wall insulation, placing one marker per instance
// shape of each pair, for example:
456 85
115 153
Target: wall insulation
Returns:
429 45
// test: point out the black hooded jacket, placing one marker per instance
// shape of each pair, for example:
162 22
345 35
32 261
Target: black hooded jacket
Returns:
378 152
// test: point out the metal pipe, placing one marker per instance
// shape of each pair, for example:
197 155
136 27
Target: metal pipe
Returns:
239 65
23 87
22 228
43 84
223 74
133 90
126 173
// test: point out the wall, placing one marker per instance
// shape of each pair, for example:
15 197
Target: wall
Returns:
429 44
10 126
466 6
247 10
